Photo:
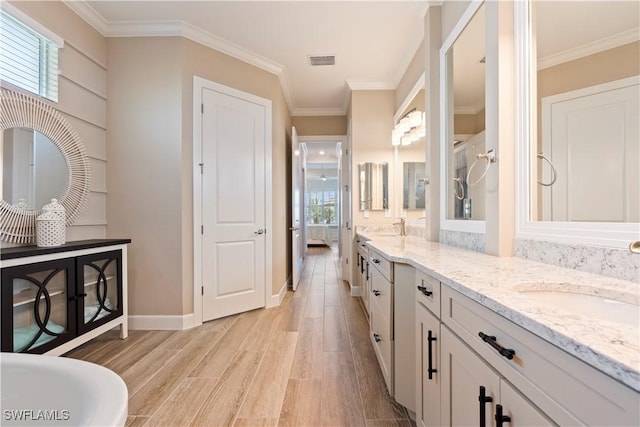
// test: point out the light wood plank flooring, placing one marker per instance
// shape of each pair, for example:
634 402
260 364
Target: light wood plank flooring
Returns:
308 362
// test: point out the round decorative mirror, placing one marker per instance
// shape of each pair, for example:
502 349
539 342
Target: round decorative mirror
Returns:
42 158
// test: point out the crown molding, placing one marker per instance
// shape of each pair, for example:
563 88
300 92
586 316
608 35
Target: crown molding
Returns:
364 85
338 111
89 14
611 42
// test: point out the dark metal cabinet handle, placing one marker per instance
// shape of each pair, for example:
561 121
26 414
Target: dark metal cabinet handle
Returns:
430 369
375 260
500 418
491 340
424 291
483 399
376 292
377 337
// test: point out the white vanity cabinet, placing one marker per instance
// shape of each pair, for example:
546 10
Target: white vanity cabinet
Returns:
381 313
427 350
523 377
392 325
362 272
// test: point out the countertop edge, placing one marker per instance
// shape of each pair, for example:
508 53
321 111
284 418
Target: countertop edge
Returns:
611 367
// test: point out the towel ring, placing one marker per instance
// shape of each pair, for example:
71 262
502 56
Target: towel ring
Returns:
554 172
455 190
490 158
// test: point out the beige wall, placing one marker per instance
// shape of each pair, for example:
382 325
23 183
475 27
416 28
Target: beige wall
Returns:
82 100
151 129
411 75
145 183
469 124
320 125
609 65
371 124
213 65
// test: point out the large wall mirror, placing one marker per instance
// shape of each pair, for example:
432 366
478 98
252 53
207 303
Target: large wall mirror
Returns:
374 186
462 109
580 76
42 158
414 181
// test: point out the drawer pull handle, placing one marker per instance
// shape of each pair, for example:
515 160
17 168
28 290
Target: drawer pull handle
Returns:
377 337
500 418
375 260
376 292
484 399
424 291
431 370
491 340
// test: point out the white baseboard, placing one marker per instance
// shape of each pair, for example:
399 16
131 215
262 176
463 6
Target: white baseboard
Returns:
163 323
276 299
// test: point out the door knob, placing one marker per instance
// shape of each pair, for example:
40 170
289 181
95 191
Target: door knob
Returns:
294 228
260 231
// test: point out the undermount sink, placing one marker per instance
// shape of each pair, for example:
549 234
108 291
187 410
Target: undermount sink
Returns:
609 306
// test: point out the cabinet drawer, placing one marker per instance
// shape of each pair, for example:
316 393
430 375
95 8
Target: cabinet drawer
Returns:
381 263
381 292
428 292
568 390
382 344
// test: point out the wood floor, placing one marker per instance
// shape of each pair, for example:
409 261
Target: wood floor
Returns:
308 362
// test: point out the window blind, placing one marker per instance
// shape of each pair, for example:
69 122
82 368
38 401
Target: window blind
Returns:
28 60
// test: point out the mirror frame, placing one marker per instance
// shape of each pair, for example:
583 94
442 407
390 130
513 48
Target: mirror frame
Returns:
609 234
23 110
398 210
446 110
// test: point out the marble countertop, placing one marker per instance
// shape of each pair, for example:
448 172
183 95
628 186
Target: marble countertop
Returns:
497 282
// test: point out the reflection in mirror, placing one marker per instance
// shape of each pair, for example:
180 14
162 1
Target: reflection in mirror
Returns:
374 186
585 85
33 168
465 98
413 185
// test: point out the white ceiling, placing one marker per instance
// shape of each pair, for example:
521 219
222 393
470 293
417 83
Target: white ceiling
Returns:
373 41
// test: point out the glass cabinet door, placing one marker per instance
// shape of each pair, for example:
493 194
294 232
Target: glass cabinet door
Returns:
100 289
35 302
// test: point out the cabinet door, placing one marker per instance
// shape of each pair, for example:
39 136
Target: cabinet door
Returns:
38 312
428 360
366 287
470 388
521 412
99 289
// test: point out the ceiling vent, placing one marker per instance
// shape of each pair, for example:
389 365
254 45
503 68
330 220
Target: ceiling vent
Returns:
322 60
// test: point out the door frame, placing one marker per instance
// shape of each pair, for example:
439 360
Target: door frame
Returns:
199 84
338 139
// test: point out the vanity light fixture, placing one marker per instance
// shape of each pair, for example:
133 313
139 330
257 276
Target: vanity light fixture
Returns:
321 152
323 178
409 129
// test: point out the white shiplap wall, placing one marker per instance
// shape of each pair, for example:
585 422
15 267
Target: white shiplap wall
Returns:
82 100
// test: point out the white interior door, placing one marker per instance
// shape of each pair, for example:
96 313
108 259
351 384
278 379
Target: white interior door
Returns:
233 203
296 209
592 138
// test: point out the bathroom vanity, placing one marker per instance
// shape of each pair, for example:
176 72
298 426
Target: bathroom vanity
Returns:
491 344
54 299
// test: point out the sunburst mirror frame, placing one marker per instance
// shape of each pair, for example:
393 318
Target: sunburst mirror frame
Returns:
22 110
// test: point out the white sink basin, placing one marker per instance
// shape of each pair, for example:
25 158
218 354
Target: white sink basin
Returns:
41 390
594 306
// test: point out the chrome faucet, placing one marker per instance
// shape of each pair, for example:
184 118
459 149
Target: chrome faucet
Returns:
403 231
